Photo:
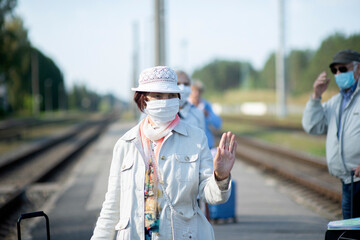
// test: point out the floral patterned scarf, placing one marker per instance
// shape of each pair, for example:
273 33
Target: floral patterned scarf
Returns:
154 133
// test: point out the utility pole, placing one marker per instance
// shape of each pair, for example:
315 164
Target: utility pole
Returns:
61 96
48 95
136 47
280 65
160 33
184 49
35 81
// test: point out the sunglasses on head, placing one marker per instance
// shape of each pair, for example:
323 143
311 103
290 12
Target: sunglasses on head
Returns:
341 69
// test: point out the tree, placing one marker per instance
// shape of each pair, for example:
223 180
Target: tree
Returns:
323 56
80 98
303 66
6 8
16 63
221 75
297 63
51 82
267 74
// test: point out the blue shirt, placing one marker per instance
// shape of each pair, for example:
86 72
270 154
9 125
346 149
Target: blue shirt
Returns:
346 98
212 120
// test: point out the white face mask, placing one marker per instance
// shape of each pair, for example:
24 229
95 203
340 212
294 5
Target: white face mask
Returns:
162 111
186 91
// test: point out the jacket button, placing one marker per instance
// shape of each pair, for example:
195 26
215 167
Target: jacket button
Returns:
162 157
187 158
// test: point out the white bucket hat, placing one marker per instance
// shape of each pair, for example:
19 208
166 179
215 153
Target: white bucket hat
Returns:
158 79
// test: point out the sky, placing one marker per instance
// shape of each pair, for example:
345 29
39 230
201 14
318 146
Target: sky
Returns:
93 41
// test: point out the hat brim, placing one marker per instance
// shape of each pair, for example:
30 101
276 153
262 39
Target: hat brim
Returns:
339 62
157 89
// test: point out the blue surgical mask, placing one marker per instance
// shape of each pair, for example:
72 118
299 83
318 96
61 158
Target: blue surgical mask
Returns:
345 80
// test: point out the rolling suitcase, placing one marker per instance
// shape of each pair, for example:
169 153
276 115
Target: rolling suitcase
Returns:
32 215
225 210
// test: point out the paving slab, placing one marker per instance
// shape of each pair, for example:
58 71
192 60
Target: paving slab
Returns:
266 212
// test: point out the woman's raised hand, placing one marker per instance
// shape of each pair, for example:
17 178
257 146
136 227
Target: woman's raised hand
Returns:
225 156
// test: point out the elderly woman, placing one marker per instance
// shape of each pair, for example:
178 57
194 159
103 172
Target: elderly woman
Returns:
160 166
188 112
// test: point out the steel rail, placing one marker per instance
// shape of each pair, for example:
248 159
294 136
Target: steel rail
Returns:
79 137
310 172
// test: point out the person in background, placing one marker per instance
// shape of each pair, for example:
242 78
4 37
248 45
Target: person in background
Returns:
339 118
188 112
160 166
212 120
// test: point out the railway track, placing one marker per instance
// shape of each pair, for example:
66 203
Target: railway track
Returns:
294 168
39 162
14 129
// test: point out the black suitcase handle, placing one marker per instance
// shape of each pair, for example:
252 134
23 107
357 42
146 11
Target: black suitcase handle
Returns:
32 215
352 173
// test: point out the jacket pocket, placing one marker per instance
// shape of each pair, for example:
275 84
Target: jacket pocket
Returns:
126 173
187 165
183 227
123 229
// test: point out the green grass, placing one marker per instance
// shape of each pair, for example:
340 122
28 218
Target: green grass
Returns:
261 95
301 141
314 145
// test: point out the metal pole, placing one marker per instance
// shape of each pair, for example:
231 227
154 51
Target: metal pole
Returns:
280 65
61 97
184 49
159 33
48 95
35 81
352 194
135 63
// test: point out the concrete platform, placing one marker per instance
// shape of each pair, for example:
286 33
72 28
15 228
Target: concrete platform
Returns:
263 211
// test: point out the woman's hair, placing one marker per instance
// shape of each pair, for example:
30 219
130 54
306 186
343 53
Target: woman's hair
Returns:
182 74
140 100
141 97
199 86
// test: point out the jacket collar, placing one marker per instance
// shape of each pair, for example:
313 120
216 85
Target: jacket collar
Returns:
349 92
133 133
180 128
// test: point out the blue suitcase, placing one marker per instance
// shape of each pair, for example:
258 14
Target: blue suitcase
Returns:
225 210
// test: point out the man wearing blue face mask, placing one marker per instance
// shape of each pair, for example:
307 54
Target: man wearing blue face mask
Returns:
339 118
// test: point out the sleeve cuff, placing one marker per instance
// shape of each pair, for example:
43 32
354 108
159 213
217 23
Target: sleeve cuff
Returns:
224 184
315 99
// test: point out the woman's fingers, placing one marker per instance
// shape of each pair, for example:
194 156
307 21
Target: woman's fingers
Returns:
222 141
234 149
227 141
232 141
